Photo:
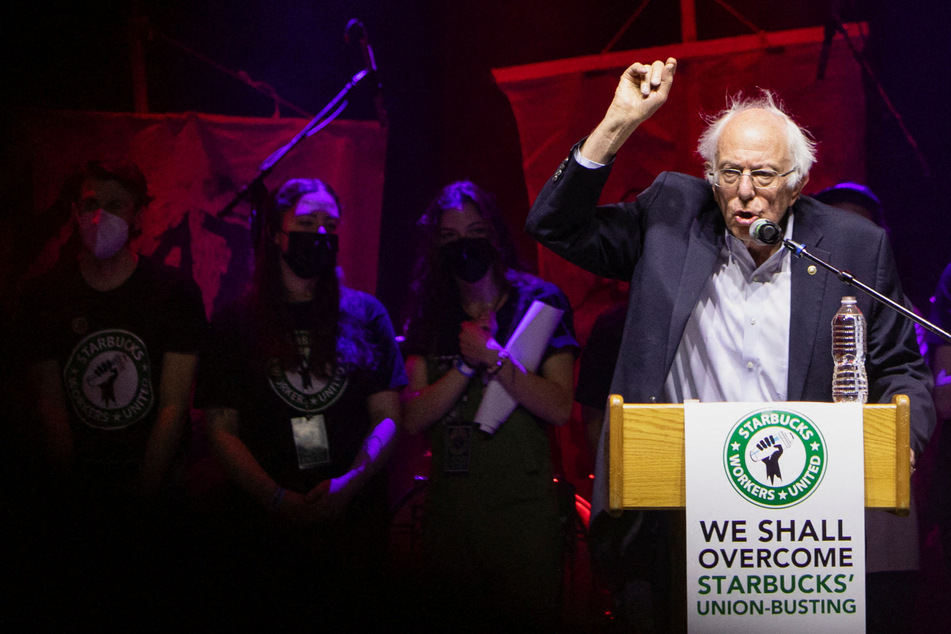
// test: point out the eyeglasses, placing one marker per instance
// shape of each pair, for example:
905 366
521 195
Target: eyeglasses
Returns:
761 179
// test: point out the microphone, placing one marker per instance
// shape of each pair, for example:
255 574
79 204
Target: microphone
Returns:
829 33
369 63
765 232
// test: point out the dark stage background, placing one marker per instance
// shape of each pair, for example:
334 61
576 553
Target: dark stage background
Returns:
448 119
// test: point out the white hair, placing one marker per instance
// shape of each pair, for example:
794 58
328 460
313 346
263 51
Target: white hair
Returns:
801 147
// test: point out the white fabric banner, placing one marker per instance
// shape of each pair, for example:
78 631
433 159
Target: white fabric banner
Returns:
775 517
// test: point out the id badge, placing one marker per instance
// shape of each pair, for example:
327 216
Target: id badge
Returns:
310 438
458 439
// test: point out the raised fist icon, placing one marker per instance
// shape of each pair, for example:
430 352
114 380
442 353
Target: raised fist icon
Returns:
771 449
104 377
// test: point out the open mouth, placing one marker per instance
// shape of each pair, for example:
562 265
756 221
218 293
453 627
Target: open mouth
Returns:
745 217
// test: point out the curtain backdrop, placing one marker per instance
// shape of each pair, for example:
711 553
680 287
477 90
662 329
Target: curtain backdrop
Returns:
558 103
194 163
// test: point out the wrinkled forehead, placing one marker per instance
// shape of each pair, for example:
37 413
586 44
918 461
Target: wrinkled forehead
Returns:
753 134
316 202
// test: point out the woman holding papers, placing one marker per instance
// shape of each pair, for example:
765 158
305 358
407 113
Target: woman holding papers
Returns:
491 529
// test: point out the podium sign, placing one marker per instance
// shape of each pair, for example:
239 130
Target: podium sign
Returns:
775 517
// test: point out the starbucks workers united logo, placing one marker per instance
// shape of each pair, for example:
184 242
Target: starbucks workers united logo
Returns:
300 387
775 458
108 379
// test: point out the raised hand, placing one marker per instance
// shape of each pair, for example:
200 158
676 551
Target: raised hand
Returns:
643 89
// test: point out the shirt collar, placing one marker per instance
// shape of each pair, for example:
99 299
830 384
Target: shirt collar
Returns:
736 253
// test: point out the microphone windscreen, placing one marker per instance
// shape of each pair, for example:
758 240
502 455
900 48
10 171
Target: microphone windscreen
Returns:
765 232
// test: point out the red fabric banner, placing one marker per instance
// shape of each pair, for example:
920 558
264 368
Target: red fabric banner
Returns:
194 164
558 103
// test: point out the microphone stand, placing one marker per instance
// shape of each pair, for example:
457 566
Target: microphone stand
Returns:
799 250
324 117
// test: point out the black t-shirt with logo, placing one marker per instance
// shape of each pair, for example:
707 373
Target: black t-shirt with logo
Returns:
110 347
271 398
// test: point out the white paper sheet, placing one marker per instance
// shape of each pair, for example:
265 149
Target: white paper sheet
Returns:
526 345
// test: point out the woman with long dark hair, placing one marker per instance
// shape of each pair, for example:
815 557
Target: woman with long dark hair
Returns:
491 527
299 389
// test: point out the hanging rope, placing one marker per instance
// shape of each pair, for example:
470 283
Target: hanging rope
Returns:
242 76
729 9
743 19
637 12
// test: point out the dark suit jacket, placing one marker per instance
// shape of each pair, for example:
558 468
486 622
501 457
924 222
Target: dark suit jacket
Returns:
666 244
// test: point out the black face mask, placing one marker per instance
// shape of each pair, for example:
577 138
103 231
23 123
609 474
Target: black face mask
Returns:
311 254
468 258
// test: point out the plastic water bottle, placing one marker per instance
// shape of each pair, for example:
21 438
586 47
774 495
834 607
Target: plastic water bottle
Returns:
849 381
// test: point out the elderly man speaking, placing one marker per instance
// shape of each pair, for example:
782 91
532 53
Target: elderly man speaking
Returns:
714 315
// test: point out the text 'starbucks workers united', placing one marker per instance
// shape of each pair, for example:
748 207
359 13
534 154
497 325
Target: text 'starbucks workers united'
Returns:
775 458
310 395
109 379
300 387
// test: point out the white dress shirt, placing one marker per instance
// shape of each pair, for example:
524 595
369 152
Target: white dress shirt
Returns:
736 343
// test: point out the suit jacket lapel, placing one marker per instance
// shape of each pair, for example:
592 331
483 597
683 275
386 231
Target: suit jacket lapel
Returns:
807 292
703 248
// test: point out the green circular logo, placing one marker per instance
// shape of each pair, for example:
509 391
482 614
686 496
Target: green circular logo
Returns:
108 379
775 458
299 387
305 391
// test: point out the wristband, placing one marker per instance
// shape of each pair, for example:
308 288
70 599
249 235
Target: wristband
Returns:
464 369
499 362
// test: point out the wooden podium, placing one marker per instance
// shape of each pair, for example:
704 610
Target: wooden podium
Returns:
646 456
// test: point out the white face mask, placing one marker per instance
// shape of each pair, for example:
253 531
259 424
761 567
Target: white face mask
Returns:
103 233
